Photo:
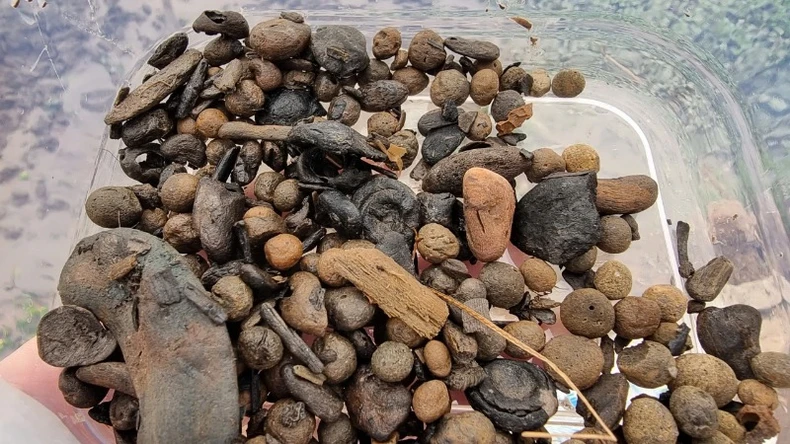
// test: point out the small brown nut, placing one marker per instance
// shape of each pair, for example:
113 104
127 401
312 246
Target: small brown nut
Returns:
392 361
587 312
584 262
178 192
261 229
296 79
414 79
647 420
504 102
708 373
730 427
187 125
288 421
180 232
772 368
266 74
426 50
504 284
265 185
694 411
260 348
326 86
339 432
245 100
216 149
545 161
528 332
331 240
489 345
568 83
754 392
209 121
670 299
512 78
152 220
614 280
348 308
399 331
581 157
431 401
279 39
541 82
467 427
345 109
113 207
436 243
615 235
327 271
283 251
579 358
648 364
626 195
401 60
287 195
484 86
636 317
538 275
494 65
261 211
338 355
309 263
449 86
383 123
481 127
234 296
376 70
386 43
437 359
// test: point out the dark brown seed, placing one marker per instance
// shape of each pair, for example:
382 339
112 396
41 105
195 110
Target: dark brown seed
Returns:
383 95
426 51
504 102
626 195
335 138
216 209
732 334
648 364
348 308
337 432
376 407
386 43
484 86
338 355
185 149
447 175
340 49
245 100
146 128
222 50
260 348
124 412
636 317
152 221
112 207
169 50
326 86
504 284
449 85
401 60
414 79
760 423
279 39
474 49
180 233
406 139
289 421
77 393
545 162
229 23
467 427
266 74
377 70
344 109
178 192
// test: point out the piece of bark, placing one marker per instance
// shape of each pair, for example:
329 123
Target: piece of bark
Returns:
685 267
71 336
447 175
608 397
320 400
626 195
489 205
607 348
390 287
292 341
472 325
153 91
707 282
111 375
239 130
166 324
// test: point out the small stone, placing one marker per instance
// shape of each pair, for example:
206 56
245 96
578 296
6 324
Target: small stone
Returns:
489 343
178 192
383 95
732 334
772 368
266 74
234 296
581 157
340 49
489 205
730 427
708 373
449 86
753 392
246 100
545 162
587 313
386 43
613 279
414 79
557 220
505 102
465 428
514 78
484 87
339 432
647 421
376 70
431 401
583 262
707 282
437 359
528 332
265 185
495 65
399 331
636 317
504 284
615 235
608 397
426 51
222 50
180 232
260 348
626 195
538 275
436 243
541 82
279 39
568 83
146 128
348 308
169 50
480 127
648 364
670 299
283 251
579 358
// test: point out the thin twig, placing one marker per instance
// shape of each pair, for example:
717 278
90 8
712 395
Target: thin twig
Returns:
513 340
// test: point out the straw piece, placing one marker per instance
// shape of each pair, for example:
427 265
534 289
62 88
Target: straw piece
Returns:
513 340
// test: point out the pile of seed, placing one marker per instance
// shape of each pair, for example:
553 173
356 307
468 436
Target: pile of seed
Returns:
223 288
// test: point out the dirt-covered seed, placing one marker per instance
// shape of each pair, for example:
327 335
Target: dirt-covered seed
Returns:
279 39
113 207
670 299
695 412
152 220
436 243
615 235
289 421
283 251
431 401
266 74
266 184
541 82
581 157
647 420
178 192
383 123
245 100
449 86
708 373
180 232
568 83
528 332
636 317
545 161
216 149
426 50
338 355
348 308
772 368
386 43
754 392
614 280
234 296
504 284
414 79
513 78
401 60
344 109
260 347
584 262
209 121
287 195
480 128
495 65
466 428
437 358
538 275
578 357
392 361
377 70
399 331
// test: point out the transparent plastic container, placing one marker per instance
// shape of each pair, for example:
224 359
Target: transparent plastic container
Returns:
654 104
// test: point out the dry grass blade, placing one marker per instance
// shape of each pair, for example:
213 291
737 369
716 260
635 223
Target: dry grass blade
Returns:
609 436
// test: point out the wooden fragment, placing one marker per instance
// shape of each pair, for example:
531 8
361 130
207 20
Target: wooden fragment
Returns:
71 336
391 287
248 131
515 118
112 375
